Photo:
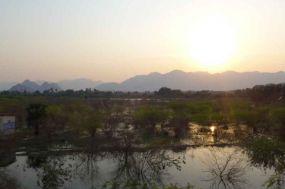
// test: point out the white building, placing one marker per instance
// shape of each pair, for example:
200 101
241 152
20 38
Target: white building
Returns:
7 124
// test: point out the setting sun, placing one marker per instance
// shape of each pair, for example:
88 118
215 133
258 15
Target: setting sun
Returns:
212 43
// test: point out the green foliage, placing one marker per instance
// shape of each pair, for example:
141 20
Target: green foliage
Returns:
217 117
11 105
181 112
149 116
76 110
244 116
36 113
55 119
165 92
84 118
277 116
269 153
266 151
201 112
180 117
239 111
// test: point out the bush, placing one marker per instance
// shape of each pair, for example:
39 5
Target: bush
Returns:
149 116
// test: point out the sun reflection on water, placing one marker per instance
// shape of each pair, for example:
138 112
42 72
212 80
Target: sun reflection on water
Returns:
213 128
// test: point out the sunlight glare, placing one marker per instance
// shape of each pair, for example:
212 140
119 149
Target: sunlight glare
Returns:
212 128
212 43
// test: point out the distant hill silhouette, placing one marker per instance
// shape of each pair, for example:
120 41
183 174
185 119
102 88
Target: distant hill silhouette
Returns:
31 86
78 84
6 85
177 79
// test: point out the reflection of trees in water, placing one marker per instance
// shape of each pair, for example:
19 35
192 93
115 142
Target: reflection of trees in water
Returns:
51 170
143 168
36 160
53 174
133 168
6 181
225 169
269 153
7 157
140 168
86 165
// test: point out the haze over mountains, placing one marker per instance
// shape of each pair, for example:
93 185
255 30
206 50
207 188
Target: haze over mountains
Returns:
194 81
6 85
31 86
175 80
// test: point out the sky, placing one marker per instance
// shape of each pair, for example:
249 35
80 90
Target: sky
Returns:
112 40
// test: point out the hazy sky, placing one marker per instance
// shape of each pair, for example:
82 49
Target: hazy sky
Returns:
112 40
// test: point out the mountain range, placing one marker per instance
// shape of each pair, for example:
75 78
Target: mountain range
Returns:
195 81
176 79
31 86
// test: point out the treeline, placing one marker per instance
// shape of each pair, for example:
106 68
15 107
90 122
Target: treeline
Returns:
87 117
259 93
164 92
261 107
264 93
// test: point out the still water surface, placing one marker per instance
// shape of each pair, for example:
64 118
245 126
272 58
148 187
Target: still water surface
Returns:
202 167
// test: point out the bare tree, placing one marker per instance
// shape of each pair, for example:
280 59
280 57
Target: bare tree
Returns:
225 169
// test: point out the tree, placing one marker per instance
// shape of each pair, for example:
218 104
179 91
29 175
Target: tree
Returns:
149 116
201 112
56 118
277 116
268 153
180 117
169 93
84 118
35 116
92 122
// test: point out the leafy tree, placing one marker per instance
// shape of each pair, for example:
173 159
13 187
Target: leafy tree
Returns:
180 116
169 93
35 116
84 118
218 117
149 116
268 153
277 116
201 112
56 118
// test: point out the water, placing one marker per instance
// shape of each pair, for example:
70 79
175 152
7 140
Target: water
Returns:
207 158
202 167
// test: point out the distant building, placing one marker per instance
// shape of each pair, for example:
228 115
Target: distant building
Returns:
7 124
